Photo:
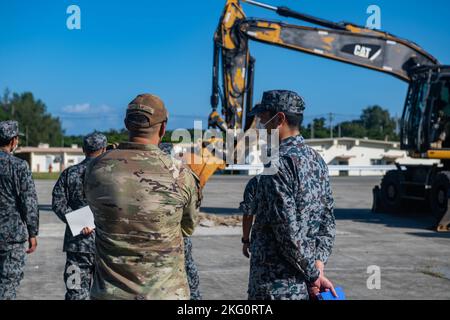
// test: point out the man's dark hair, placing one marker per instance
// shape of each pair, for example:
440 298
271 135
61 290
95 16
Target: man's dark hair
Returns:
294 121
136 121
4 143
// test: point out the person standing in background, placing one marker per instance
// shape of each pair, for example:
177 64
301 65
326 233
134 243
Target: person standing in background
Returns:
19 213
68 195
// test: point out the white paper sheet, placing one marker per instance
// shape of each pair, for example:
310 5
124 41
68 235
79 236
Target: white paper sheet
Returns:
79 219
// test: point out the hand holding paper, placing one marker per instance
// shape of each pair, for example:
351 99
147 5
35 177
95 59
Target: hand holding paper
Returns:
87 231
79 220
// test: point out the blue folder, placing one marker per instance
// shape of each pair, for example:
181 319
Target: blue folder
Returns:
329 296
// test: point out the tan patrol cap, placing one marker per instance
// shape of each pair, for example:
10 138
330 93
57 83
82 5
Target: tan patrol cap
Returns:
149 106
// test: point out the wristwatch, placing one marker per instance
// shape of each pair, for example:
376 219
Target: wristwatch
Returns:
245 241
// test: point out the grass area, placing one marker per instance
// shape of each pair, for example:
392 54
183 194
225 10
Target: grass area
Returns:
45 175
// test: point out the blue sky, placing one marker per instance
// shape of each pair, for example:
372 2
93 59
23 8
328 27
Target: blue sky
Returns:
88 76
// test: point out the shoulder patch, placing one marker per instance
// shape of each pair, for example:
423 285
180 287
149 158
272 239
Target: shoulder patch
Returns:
171 164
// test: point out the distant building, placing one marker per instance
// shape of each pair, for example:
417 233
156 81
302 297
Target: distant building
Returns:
344 156
362 156
46 159
349 157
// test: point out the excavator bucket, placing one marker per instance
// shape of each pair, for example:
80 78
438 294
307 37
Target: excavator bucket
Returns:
203 163
204 169
444 224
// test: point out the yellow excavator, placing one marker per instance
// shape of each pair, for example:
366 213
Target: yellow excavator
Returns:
425 124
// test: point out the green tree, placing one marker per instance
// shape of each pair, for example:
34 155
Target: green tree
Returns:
116 136
374 123
352 129
34 121
4 103
378 123
113 136
71 140
320 129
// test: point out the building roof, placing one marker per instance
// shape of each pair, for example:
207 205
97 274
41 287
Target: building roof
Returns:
391 144
48 150
345 157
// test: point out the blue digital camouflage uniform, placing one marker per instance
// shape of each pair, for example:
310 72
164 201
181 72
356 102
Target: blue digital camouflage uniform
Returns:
19 214
191 267
191 270
249 196
294 224
68 195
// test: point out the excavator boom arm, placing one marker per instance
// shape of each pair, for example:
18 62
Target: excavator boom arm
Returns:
344 42
374 50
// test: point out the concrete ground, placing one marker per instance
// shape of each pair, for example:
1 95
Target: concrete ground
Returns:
413 260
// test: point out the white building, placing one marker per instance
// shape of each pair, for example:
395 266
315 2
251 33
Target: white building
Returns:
46 159
349 157
362 156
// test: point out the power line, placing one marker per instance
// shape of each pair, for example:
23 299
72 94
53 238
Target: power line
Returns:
115 116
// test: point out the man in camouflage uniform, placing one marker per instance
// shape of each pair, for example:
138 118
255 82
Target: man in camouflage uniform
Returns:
191 267
19 214
68 195
294 227
247 214
143 201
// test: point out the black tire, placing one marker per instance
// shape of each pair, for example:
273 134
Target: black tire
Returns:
439 195
392 191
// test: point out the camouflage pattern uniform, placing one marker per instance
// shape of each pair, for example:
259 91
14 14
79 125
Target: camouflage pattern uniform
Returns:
191 267
249 196
191 270
142 202
19 214
294 222
68 195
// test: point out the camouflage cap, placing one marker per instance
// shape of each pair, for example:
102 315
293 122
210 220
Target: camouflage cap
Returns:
94 142
280 101
149 106
9 129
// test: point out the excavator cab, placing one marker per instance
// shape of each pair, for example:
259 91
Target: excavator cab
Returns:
438 113
425 126
424 133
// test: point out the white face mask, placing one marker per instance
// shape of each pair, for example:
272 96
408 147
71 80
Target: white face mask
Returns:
261 126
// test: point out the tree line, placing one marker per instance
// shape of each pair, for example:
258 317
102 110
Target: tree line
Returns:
39 126
34 121
374 123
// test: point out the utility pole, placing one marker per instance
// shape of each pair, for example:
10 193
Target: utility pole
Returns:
6 100
331 124
397 124
339 130
10 106
312 129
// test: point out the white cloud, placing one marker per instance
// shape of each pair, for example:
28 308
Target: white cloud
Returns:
84 117
77 108
86 108
104 108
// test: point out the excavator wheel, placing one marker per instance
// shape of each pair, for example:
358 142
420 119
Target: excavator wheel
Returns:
392 191
439 195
